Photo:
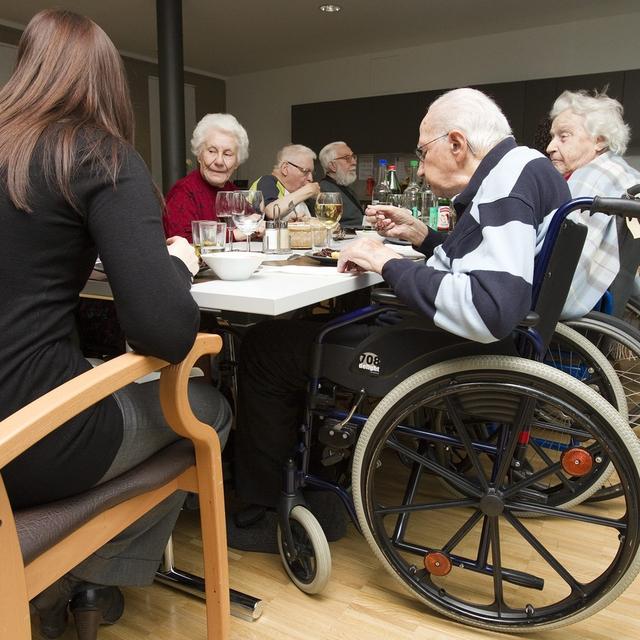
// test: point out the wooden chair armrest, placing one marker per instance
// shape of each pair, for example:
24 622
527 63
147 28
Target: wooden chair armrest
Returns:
33 422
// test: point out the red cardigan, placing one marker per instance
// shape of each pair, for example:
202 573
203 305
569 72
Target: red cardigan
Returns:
191 198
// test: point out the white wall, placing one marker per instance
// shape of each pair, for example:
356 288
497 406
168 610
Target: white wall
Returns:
262 101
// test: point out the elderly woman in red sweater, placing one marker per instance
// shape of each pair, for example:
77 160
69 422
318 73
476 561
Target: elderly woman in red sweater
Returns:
220 144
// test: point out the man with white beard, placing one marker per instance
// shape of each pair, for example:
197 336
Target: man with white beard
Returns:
339 164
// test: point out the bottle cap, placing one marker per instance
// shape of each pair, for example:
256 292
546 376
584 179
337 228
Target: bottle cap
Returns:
382 161
392 167
413 163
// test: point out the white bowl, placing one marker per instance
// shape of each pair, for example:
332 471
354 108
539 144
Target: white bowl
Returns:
233 265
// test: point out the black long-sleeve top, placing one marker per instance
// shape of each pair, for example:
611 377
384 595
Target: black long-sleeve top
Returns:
45 260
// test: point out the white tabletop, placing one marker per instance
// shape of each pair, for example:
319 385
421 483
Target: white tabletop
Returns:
272 291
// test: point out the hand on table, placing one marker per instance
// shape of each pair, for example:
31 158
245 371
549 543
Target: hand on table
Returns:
365 254
396 222
180 248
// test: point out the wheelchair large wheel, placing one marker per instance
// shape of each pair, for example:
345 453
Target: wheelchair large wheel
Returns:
472 556
572 353
619 342
310 570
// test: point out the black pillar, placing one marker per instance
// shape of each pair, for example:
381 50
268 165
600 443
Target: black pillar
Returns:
171 71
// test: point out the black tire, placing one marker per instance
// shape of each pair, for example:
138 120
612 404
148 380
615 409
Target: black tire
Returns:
405 521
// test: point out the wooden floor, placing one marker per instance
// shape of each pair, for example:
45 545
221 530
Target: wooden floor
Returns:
361 601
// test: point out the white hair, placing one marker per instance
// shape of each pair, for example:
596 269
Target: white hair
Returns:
602 117
292 151
328 153
226 123
473 113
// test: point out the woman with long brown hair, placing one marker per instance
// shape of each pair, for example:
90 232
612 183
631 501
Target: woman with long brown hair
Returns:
73 187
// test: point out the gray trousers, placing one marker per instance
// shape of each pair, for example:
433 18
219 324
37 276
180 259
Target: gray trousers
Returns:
133 557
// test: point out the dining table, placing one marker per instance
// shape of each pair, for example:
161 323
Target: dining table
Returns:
281 284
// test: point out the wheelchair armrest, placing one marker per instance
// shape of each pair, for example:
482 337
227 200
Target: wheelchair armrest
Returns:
386 297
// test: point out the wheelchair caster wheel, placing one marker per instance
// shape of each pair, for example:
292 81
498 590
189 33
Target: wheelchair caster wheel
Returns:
310 569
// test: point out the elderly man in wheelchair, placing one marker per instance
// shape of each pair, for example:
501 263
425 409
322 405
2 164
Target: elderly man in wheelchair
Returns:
442 431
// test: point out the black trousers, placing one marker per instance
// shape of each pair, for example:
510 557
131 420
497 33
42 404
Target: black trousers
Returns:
273 366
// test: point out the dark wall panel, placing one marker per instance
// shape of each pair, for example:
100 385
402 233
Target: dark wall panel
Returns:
381 124
538 99
631 101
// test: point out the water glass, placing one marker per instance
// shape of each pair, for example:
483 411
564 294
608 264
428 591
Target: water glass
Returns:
213 236
195 236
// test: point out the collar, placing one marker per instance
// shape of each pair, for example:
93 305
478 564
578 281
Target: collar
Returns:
462 200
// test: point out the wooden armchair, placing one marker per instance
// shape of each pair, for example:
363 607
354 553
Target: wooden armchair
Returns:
41 544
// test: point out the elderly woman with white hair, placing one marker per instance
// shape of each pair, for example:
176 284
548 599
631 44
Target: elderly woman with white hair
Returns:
220 144
588 139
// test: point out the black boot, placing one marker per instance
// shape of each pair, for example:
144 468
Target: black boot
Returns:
51 606
95 606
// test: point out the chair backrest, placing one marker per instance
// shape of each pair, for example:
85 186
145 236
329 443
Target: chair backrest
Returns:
103 512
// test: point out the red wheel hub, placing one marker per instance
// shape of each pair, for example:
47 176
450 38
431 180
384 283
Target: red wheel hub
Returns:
437 563
577 461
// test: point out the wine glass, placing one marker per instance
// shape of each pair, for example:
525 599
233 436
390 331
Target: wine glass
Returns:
224 207
247 212
328 211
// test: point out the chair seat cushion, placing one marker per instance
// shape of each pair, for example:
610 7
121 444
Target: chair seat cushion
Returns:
39 528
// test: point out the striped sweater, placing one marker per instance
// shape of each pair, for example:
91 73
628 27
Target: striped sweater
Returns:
477 282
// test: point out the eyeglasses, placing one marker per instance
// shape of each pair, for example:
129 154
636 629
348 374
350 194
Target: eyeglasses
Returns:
348 158
419 150
307 172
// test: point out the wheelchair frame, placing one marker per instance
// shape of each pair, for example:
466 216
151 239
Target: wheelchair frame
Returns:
305 551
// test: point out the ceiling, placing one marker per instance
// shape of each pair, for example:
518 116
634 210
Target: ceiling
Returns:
231 37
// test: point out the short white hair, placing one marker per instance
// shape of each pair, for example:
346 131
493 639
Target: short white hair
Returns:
226 123
475 114
602 117
328 153
292 151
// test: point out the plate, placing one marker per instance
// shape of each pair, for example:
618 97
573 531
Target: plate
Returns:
328 260
402 243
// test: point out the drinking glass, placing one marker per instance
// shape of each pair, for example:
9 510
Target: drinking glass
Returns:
224 206
247 212
195 236
213 236
328 212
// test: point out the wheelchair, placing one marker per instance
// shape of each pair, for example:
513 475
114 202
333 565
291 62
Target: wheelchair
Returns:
446 460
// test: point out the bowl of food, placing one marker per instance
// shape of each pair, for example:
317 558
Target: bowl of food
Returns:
233 265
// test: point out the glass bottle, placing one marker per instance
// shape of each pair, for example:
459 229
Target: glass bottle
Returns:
444 214
392 180
381 193
411 197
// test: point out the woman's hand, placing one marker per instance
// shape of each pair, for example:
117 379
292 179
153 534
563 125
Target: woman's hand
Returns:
395 222
365 254
180 248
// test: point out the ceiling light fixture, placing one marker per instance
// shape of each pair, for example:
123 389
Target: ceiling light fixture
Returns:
330 8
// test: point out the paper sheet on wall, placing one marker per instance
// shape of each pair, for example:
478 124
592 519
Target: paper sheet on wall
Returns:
365 167
633 224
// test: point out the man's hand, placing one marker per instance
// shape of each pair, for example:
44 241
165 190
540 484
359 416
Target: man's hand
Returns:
365 254
395 222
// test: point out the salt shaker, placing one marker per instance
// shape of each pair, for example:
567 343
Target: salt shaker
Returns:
271 236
